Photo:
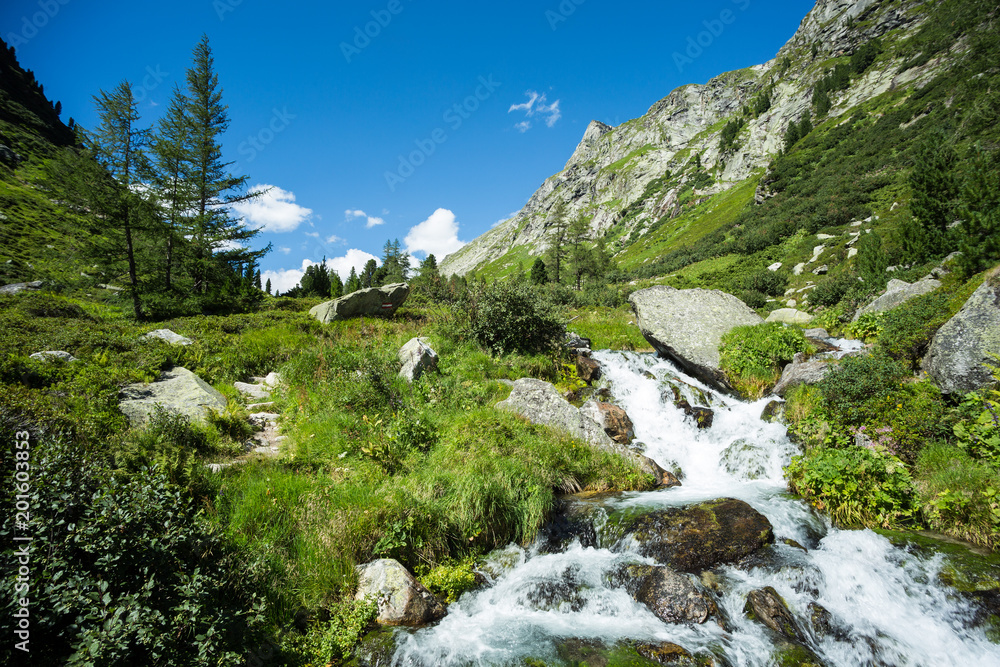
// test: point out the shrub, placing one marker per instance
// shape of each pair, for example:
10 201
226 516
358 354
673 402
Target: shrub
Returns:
907 331
755 300
332 641
855 388
505 317
769 283
830 291
959 495
450 580
752 356
868 327
856 486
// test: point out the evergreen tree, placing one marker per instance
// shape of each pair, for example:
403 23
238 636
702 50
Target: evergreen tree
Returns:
579 258
316 281
267 287
792 135
980 212
353 282
429 267
336 285
119 147
369 274
805 126
395 265
217 237
935 186
557 240
539 274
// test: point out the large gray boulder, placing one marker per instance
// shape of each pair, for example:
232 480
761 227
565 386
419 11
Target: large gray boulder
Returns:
898 292
789 316
673 597
799 372
540 403
417 357
372 302
686 326
178 390
960 351
54 356
402 600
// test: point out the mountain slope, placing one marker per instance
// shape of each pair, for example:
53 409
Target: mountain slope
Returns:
628 178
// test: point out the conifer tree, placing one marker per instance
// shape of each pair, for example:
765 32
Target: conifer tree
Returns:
980 212
557 240
368 274
353 283
539 274
578 257
267 287
336 285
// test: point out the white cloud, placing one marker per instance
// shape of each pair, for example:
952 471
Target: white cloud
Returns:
370 220
315 235
283 280
334 239
437 235
285 250
503 220
274 211
536 105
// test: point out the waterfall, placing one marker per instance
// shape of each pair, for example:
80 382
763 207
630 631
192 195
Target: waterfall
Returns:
883 602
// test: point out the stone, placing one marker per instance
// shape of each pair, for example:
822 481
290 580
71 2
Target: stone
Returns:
897 292
256 392
774 267
540 403
686 326
373 302
17 288
817 252
825 237
178 390
852 253
576 342
673 597
262 418
9 157
799 269
614 420
774 412
821 270
799 372
817 333
667 653
51 356
588 369
766 606
789 316
959 356
703 417
417 358
697 537
402 600
168 336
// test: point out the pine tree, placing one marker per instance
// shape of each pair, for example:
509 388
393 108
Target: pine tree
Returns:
980 212
429 267
557 240
578 256
215 232
336 285
119 147
267 287
935 186
369 274
353 282
539 274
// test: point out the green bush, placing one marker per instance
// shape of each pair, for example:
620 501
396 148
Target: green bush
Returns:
449 580
505 317
331 642
854 485
830 291
752 356
959 495
855 389
868 327
910 418
769 283
907 331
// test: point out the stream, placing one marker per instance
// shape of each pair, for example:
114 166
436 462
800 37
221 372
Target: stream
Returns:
885 604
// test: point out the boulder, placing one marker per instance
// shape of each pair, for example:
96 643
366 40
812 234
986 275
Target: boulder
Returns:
178 390
697 537
615 421
576 342
703 417
959 354
402 600
540 403
673 597
373 302
588 369
17 288
417 357
51 356
799 372
774 412
257 392
9 157
766 606
789 316
686 326
168 336
897 292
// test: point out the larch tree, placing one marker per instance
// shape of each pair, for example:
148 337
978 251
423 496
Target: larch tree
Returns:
558 225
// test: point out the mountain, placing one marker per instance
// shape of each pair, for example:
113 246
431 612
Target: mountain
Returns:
632 179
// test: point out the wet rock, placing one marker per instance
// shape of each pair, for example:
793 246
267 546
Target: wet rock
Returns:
614 420
766 606
774 412
373 302
686 326
178 390
402 600
960 354
588 369
703 417
374 650
577 343
667 653
697 537
673 597
799 372
168 336
417 358
823 623
563 594
670 480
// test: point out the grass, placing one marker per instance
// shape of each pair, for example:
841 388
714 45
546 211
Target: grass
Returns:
609 328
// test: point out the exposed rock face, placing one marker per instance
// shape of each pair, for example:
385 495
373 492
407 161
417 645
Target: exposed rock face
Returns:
417 357
958 356
50 356
178 390
698 537
17 288
168 336
673 597
615 421
402 600
789 316
686 326
766 606
372 302
540 403
799 372
898 292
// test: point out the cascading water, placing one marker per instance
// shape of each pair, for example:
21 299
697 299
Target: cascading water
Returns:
884 605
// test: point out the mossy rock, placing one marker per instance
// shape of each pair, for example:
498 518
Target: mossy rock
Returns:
967 568
374 650
594 653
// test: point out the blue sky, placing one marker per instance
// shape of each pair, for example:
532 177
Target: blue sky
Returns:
374 120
